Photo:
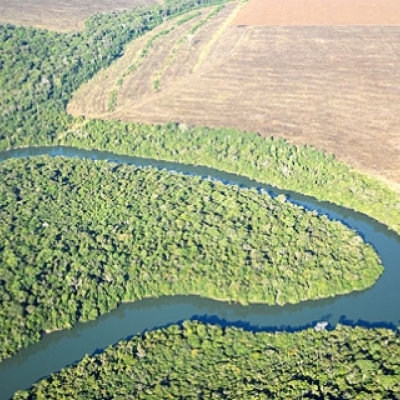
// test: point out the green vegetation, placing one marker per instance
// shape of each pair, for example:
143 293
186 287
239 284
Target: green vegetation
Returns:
198 361
188 17
156 85
203 21
142 55
270 160
39 70
112 101
172 55
79 237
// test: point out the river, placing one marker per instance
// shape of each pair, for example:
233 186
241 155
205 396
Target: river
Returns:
378 306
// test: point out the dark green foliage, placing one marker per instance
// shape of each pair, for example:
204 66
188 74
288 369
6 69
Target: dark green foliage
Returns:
39 70
270 160
78 237
199 361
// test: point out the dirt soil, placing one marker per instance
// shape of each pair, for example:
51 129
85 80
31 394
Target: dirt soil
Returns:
319 12
60 15
336 88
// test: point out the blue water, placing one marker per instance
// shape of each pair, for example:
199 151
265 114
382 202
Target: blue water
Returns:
378 306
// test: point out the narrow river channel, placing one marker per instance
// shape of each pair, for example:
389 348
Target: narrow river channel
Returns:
378 306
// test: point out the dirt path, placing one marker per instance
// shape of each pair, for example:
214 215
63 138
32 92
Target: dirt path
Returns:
207 48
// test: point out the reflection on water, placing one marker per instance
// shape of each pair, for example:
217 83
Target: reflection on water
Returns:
377 306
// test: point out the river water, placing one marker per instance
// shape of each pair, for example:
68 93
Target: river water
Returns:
378 306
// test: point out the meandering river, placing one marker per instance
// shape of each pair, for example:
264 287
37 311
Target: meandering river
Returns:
377 306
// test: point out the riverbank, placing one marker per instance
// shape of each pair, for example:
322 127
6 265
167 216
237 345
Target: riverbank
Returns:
302 169
197 359
74 249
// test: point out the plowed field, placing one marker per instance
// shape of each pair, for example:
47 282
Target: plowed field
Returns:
60 15
336 88
320 12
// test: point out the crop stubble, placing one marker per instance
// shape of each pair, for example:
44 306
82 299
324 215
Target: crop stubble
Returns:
336 88
320 13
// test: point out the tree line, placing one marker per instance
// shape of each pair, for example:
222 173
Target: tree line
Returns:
79 237
196 361
39 70
270 160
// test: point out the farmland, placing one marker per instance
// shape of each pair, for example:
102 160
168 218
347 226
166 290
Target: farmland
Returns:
320 13
334 87
306 102
60 15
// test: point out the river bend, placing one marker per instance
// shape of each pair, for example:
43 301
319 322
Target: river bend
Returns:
374 307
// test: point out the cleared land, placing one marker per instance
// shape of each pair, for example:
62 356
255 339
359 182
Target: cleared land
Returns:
336 88
60 15
320 12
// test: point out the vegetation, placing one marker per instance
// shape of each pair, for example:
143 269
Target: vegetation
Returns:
188 17
79 237
270 160
197 361
202 22
136 64
173 53
112 102
39 69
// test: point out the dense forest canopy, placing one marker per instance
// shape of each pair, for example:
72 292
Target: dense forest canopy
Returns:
79 237
197 361
269 160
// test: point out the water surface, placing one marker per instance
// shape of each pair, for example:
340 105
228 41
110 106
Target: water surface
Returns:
377 306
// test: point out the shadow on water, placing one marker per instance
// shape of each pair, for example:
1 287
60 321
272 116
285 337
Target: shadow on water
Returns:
376 307
366 324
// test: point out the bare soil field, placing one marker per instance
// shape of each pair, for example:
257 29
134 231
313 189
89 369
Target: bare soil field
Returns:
319 12
60 15
336 88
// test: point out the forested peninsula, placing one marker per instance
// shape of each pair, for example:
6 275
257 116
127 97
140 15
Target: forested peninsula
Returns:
79 237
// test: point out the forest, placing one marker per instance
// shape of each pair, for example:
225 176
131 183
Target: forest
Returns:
39 70
303 169
198 361
79 237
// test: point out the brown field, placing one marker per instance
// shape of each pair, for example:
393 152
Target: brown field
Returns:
60 15
336 88
319 12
